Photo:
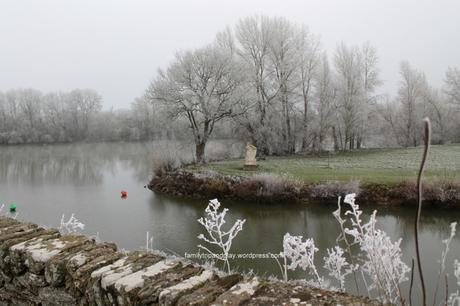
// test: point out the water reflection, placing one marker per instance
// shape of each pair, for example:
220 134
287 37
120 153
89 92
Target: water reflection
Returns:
85 163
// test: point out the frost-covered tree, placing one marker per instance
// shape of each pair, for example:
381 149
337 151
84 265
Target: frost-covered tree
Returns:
324 105
452 84
356 77
202 86
312 76
411 95
83 105
349 94
253 37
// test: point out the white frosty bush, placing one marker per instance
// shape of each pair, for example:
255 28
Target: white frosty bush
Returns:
337 266
273 184
380 261
216 235
454 298
71 226
301 254
148 242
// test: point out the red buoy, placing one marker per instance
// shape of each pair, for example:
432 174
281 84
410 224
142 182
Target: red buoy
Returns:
124 194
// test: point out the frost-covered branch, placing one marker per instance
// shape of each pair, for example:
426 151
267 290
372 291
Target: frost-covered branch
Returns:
216 235
442 262
71 226
382 262
337 265
379 263
301 254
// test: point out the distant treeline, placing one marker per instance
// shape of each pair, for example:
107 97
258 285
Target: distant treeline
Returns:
30 116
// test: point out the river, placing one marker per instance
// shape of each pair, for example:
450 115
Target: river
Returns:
86 179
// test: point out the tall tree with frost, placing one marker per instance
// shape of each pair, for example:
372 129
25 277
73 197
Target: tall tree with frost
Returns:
370 82
253 37
202 86
349 93
411 95
453 85
308 65
283 55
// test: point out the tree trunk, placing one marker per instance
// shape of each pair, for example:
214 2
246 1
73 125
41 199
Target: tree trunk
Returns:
200 152
334 136
305 125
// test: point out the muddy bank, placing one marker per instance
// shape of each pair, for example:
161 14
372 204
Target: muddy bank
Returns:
267 188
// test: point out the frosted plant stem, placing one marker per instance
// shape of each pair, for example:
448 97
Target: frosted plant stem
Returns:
427 139
411 282
283 269
344 238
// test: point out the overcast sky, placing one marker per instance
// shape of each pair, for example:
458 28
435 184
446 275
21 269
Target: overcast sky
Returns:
115 47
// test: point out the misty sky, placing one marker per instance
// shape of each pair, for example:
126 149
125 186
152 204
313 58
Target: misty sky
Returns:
115 47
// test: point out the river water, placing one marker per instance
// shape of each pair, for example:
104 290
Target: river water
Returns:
86 179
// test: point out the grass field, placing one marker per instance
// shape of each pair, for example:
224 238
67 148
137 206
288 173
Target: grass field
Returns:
367 166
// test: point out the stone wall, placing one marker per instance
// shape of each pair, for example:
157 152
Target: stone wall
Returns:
40 266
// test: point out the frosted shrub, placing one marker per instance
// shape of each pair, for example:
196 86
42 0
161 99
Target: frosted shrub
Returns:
379 263
166 160
337 266
148 242
216 235
301 254
273 184
382 262
333 189
454 298
442 262
71 226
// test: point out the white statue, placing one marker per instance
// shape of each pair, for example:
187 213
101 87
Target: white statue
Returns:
250 160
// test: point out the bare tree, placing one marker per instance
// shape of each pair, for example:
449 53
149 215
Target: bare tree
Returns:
370 82
30 108
143 117
438 111
254 35
325 95
202 86
83 105
349 93
411 95
309 61
56 114
453 85
390 112
284 59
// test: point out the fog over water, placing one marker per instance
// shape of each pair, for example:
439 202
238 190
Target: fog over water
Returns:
115 47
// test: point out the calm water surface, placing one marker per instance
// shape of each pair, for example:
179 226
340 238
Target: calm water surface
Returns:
86 179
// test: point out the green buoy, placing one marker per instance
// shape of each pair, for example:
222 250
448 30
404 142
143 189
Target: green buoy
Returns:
12 207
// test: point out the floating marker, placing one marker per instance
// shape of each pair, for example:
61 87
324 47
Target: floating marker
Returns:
12 207
124 194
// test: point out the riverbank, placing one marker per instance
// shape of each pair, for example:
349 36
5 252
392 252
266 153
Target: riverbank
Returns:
41 266
387 166
271 188
380 176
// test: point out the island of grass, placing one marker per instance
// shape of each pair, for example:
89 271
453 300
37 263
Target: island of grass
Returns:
381 176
